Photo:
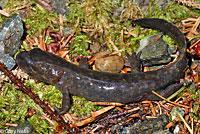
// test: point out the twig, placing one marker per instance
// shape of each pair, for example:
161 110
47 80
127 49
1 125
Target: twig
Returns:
122 35
45 5
159 107
169 100
35 97
190 3
69 38
188 127
194 29
4 13
175 94
99 112
93 117
170 124
151 106
11 124
108 103
61 24
115 47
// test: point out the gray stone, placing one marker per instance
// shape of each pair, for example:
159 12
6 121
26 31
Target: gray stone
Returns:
8 61
3 3
144 4
153 52
171 50
67 31
24 128
166 131
147 127
60 6
174 113
10 40
117 12
10 35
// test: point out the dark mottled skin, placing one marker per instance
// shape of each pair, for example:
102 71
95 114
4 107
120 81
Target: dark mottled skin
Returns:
108 87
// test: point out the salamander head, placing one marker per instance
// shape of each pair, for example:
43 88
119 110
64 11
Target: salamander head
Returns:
38 65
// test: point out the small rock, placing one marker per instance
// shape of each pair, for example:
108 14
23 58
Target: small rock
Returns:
117 12
171 50
10 39
145 4
166 131
67 31
8 61
60 6
176 129
10 35
174 113
147 127
153 52
24 128
95 47
106 63
3 3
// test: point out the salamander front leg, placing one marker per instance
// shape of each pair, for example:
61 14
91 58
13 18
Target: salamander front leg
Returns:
134 61
65 103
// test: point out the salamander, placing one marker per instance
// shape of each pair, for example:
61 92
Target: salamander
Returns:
108 87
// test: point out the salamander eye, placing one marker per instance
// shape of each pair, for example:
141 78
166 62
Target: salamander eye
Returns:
28 61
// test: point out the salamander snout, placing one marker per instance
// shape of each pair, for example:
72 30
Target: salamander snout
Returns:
24 62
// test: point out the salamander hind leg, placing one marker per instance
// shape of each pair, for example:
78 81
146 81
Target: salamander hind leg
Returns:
65 103
165 92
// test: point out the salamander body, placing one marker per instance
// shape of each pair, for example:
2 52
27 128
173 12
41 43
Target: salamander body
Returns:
107 87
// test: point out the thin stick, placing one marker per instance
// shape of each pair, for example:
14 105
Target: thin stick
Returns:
188 127
169 100
35 97
45 5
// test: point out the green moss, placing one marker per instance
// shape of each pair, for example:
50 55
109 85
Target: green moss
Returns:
2 19
82 107
46 92
195 95
41 126
76 16
171 12
195 11
11 5
14 105
37 19
80 44
168 40
98 15
131 10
